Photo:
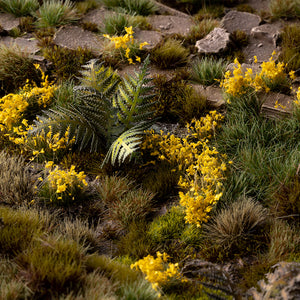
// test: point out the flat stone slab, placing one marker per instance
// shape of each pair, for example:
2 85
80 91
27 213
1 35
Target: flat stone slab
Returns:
243 21
72 37
8 21
97 16
276 104
268 32
171 24
213 94
215 42
28 45
153 38
166 10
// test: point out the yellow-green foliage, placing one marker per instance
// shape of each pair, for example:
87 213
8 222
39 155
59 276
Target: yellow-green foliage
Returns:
17 184
16 67
167 227
19 227
271 77
210 12
62 187
170 54
290 54
66 63
202 166
27 24
53 264
19 7
285 8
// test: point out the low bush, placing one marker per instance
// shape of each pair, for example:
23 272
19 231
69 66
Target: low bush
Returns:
170 54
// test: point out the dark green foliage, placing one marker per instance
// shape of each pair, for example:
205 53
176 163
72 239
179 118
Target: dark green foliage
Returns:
139 7
17 183
100 120
66 63
240 228
27 24
287 9
19 8
170 54
208 71
16 67
239 38
291 48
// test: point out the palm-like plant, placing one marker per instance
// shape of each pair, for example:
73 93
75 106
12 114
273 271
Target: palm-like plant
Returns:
107 115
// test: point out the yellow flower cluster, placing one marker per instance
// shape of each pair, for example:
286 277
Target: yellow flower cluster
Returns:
203 167
12 106
126 42
297 101
39 144
63 182
272 75
157 270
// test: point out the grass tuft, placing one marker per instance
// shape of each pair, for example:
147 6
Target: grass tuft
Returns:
19 8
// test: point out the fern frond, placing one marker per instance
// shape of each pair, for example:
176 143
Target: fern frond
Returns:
102 79
133 98
127 143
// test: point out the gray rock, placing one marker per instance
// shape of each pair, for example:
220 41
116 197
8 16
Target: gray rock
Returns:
213 94
166 10
28 45
97 16
171 24
153 38
72 37
8 21
267 32
243 21
215 42
282 284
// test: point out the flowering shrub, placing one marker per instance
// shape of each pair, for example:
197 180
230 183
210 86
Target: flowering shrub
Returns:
61 186
202 166
271 77
126 45
157 270
297 101
13 106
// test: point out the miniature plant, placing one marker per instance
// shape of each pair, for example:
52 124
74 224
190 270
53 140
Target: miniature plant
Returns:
53 13
16 182
139 7
105 120
285 8
208 71
16 67
19 8
170 54
61 187
241 227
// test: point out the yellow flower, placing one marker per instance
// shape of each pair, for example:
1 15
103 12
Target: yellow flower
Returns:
129 30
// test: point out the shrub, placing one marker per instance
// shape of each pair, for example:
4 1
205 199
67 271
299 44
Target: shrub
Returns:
17 183
52 264
170 54
168 227
290 48
16 67
84 6
210 12
207 70
285 8
19 8
19 227
238 229
27 24
55 13
66 63
139 7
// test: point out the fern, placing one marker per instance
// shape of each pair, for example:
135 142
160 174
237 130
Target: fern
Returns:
104 118
102 79
133 98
